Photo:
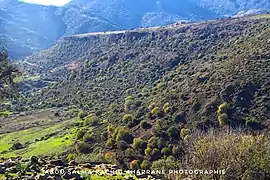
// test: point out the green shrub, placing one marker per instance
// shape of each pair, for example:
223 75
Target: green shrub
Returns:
129 98
151 106
80 133
158 125
186 138
180 118
88 137
160 85
4 114
144 124
82 147
166 108
146 164
153 142
148 152
185 132
166 164
166 151
17 145
122 145
223 119
177 151
135 164
223 108
91 120
173 132
71 156
155 111
110 130
166 105
82 114
161 143
129 152
128 103
138 143
123 134
128 117
110 143
156 153
110 157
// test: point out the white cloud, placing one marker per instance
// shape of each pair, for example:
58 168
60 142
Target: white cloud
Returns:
48 2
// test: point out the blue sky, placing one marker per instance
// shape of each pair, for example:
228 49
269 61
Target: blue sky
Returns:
48 2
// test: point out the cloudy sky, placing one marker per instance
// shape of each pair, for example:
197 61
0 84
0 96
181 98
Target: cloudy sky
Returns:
48 2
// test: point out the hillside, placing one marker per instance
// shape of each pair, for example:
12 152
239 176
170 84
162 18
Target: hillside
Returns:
107 65
28 28
190 95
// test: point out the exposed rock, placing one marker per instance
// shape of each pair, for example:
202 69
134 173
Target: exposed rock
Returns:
33 160
72 176
12 170
2 170
41 177
72 163
57 162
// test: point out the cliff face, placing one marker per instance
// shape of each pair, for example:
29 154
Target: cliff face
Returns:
27 28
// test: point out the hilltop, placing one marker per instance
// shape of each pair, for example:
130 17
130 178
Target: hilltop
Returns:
157 97
28 28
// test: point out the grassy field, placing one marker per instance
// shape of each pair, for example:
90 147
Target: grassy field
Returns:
25 78
42 140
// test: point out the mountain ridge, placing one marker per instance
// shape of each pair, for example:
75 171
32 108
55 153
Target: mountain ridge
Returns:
83 16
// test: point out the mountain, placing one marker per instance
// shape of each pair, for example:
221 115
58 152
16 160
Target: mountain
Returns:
27 28
187 96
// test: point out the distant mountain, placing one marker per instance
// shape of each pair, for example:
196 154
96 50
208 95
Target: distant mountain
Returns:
27 28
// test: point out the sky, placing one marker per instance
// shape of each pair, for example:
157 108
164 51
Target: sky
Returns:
48 2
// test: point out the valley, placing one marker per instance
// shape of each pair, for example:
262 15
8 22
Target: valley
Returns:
183 96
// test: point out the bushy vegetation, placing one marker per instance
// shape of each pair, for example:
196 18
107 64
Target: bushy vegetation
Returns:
80 133
135 164
164 98
128 117
242 155
91 120
7 74
82 147
146 165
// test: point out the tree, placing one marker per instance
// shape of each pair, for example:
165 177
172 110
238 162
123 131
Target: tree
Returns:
7 74
173 132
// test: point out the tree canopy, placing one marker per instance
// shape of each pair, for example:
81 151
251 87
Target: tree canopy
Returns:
7 73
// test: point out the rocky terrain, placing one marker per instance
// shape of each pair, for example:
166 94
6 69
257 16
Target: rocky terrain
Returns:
27 28
35 168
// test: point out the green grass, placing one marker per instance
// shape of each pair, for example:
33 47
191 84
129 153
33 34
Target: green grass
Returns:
53 145
5 113
25 78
